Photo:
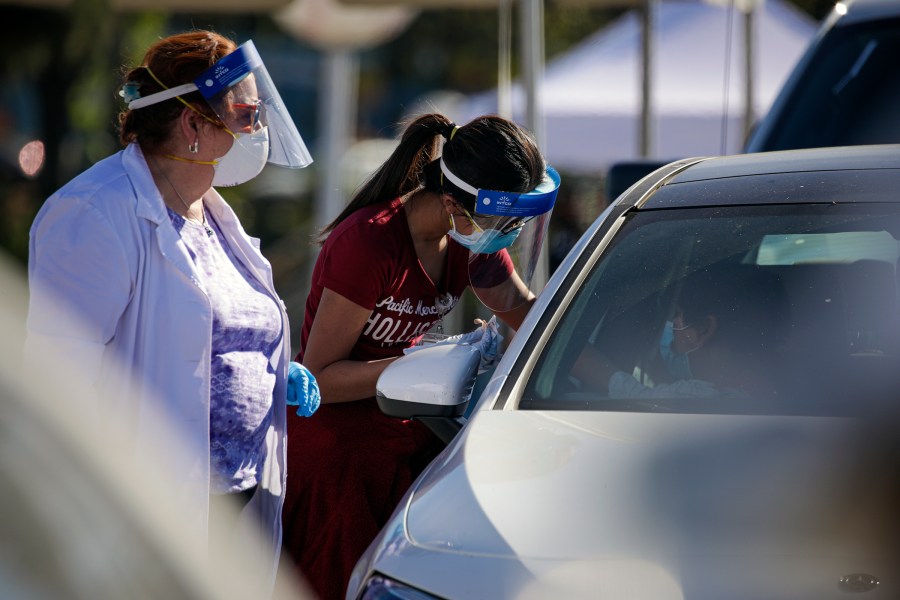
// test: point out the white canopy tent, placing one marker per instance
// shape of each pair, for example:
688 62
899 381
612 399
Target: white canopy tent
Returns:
591 96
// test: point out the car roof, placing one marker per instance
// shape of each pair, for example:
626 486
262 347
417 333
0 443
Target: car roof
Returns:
844 174
789 161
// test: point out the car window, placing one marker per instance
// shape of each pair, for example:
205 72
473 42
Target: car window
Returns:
764 309
842 246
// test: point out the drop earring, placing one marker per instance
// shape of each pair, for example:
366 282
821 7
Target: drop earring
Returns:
195 147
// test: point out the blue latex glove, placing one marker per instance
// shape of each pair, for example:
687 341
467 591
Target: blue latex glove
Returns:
302 390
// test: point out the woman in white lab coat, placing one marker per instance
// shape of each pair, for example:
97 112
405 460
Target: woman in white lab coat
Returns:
144 281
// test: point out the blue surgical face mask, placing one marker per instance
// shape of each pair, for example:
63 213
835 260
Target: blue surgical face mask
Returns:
678 364
484 241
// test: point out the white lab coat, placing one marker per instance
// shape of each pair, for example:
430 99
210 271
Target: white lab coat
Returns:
140 327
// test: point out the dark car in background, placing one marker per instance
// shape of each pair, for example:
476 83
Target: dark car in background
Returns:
845 90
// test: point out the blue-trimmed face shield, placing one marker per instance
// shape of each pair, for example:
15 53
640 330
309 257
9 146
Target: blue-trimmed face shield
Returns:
506 228
240 91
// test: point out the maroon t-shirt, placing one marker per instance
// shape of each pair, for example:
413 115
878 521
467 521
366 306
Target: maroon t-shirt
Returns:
349 464
370 259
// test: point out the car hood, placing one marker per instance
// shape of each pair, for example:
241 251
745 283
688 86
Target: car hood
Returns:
687 502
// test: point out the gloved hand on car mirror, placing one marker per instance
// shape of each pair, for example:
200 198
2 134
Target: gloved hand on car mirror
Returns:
302 390
486 338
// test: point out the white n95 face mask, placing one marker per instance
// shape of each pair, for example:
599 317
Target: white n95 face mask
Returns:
244 160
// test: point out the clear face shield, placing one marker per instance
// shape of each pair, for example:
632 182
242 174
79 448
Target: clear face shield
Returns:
241 92
504 237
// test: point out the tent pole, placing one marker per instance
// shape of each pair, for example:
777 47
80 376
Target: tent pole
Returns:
647 15
749 59
504 60
532 30
532 24
336 129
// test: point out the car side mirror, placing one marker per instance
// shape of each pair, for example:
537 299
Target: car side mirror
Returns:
432 385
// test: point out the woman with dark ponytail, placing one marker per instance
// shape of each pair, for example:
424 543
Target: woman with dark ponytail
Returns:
437 217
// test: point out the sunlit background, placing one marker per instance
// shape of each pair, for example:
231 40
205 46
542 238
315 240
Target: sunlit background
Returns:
351 73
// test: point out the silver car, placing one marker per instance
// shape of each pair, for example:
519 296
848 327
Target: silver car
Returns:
702 403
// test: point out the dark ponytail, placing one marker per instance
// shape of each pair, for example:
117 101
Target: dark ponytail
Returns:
489 152
401 173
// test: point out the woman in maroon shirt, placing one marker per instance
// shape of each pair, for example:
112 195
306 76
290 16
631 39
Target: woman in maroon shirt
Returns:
390 267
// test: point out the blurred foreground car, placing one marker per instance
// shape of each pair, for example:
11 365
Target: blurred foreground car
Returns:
81 519
593 467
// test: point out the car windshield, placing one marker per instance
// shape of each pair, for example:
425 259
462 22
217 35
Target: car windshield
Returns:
789 309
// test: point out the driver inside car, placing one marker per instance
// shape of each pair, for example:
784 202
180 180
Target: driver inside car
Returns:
721 341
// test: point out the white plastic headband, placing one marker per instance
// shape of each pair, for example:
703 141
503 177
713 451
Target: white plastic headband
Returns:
511 204
457 181
163 95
